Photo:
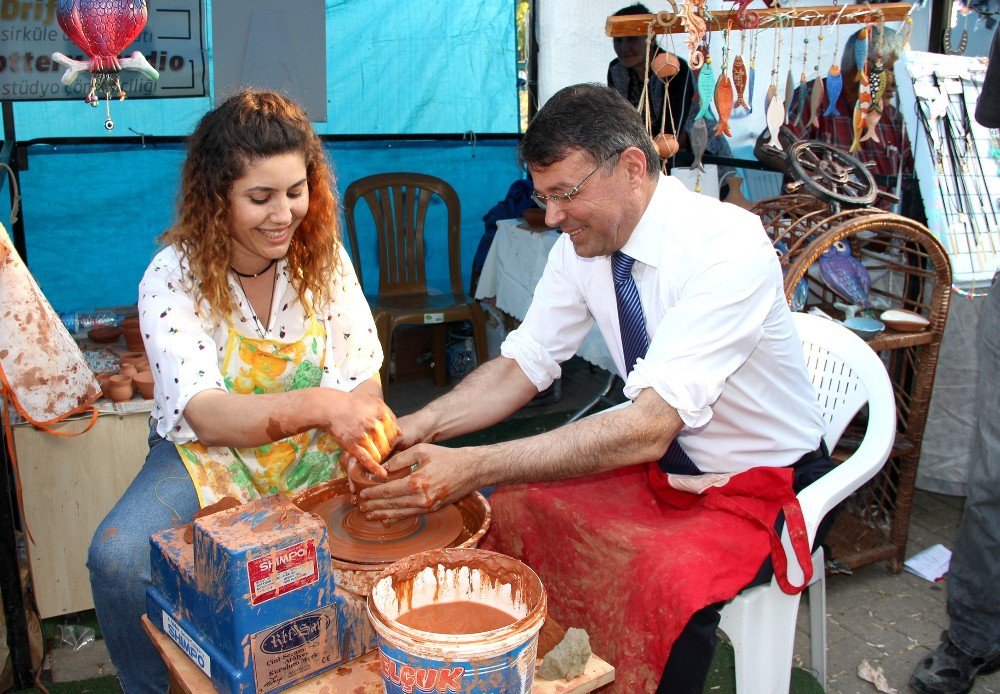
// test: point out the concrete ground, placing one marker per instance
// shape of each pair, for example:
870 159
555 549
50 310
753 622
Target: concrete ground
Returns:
890 621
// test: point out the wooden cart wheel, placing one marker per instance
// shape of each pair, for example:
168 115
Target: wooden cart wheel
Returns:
830 174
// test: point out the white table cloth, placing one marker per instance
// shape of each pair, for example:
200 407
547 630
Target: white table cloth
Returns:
512 269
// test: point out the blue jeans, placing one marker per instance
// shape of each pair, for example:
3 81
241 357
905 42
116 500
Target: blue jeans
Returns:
161 496
974 575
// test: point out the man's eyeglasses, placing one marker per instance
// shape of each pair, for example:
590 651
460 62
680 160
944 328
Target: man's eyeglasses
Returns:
566 198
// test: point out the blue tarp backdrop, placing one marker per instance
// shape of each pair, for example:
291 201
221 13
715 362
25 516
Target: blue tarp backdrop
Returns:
421 66
92 211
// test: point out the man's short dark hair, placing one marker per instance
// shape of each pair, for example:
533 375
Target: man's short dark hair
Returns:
588 117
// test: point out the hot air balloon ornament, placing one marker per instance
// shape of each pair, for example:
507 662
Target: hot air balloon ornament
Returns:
102 29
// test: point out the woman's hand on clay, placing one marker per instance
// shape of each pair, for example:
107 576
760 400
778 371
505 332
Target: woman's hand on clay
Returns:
365 428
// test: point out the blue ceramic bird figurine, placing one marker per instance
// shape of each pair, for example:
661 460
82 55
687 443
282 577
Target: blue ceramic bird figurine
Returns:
801 293
845 275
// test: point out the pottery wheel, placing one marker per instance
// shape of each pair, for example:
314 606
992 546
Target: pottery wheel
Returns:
354 538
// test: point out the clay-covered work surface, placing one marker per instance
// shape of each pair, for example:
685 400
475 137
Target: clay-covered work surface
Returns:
355 539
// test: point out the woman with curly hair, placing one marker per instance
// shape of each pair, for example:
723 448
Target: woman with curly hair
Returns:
264 352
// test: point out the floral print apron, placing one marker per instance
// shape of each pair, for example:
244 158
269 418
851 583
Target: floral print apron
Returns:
264 365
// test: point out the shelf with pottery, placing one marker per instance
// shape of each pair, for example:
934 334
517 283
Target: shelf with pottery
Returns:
878 265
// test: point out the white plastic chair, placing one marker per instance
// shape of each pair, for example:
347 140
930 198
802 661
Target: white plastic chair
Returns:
760 621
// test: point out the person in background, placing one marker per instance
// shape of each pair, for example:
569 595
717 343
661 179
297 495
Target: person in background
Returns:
625 76
688 295
971 644
263 351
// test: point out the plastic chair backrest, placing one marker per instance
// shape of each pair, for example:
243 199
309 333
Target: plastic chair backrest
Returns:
399 203
846 374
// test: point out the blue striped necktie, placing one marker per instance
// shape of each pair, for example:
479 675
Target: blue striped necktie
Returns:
635 342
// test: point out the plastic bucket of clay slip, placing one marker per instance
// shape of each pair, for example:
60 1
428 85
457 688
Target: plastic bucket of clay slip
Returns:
420 660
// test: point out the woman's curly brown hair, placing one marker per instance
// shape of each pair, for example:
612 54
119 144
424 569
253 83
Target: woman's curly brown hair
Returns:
247 127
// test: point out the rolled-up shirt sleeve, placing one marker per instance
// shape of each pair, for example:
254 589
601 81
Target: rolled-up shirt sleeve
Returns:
709 329
179 344
555 324
353 351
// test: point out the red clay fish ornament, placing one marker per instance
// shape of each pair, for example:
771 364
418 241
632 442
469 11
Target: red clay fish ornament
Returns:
740 82
724 104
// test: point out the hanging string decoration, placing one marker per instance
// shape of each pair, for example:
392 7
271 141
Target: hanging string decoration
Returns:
818 91
834 80
102 29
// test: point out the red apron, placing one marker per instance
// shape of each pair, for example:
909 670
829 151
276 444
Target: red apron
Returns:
631 559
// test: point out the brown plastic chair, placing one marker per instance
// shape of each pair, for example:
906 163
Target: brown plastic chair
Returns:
399 203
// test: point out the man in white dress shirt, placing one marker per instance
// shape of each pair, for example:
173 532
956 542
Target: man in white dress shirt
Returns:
724 373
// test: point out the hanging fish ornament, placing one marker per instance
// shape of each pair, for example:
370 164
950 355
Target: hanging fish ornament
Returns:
864 95
724 104
751 73
801 95
789 93
871 122
834 85
861 52
877 81
740 82
706 86
857 122
772 91
815 101
775 117
699 141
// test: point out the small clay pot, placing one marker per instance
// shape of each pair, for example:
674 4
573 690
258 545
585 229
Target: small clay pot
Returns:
128 370
666 145
133 338
120 388
665 65
144 382
104 334
142 365
103 379
130 322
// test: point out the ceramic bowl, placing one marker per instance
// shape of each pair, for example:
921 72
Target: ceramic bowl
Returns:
104 334
903 321
865 328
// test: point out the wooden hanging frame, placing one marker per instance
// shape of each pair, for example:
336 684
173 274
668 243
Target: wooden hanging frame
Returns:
638 24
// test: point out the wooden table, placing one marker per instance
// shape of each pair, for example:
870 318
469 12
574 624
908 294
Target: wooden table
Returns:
359 676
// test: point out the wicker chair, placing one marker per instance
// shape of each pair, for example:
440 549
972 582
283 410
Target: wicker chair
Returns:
760 621
399 203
